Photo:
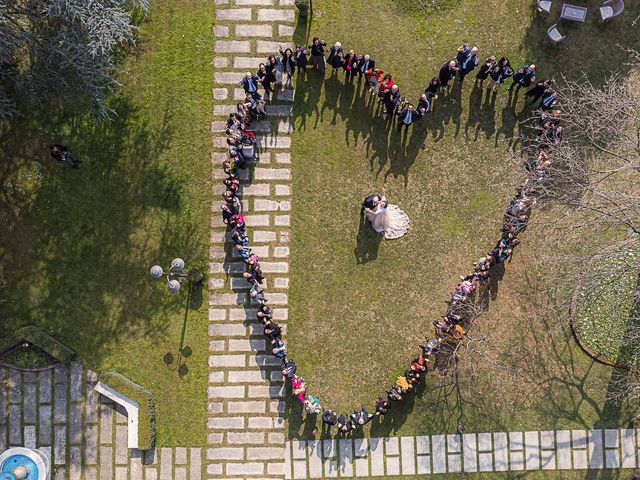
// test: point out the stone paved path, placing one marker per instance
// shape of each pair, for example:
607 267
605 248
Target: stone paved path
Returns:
482 452
85 434
246 397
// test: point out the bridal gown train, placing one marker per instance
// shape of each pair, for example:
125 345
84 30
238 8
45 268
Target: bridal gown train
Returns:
390 220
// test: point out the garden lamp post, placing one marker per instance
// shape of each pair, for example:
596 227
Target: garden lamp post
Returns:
175 275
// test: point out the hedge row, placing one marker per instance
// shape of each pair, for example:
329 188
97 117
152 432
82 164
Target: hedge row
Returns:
146 406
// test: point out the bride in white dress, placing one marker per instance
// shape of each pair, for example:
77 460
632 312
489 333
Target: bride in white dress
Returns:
389 219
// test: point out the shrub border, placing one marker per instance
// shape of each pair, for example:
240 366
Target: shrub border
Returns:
146 405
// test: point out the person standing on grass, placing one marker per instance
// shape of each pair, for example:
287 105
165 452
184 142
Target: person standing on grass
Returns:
350 65
407 116
541 88
423 105
468 64
317 54
301 58
391 100
432 89
63 155
500 73
524 77
447 72
366 65
336 57
486 68
329 417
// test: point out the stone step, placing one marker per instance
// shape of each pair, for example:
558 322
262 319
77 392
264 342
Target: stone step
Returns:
234 14
232 46
272 110
264 46
254 30
276 15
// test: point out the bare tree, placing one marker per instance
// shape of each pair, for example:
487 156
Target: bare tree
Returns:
591 149
56 48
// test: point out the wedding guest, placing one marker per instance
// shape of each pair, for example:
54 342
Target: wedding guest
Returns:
431 347
394 394
232 183
253 276
391 99
312 405
523 77
350 65
468 64
276 67
264 314
361 417
289 64
298 388
256 106
486 68
382 406
233 202
500 73
375 79
336 56
272 331
226 214
301 58
366 66
250 83
539 89
288 368
447 72
278 348
385 84
266 78
243 252
344 425
407 116
330 417
317 54
423 105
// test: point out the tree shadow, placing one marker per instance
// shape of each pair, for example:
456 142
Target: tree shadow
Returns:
77 243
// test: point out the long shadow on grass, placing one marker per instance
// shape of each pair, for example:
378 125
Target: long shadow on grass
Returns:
77 244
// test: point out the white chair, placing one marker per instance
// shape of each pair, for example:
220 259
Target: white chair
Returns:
554 34
544 6
611 8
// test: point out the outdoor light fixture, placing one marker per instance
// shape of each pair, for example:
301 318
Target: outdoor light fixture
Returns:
175 275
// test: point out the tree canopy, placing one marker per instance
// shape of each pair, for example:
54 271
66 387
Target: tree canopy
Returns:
51 50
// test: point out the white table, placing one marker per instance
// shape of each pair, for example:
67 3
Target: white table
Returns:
573 12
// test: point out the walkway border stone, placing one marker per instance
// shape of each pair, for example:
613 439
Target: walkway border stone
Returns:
246 436
469 453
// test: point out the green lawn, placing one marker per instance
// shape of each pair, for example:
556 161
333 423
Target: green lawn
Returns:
76 246
353 325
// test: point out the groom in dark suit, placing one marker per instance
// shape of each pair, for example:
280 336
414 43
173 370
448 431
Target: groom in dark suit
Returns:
372 201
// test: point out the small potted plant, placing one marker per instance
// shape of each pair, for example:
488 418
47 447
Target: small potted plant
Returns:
303 7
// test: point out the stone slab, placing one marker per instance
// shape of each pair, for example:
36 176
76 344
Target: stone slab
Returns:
438 454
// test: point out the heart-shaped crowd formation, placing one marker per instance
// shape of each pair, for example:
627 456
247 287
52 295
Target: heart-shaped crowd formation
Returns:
460 315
